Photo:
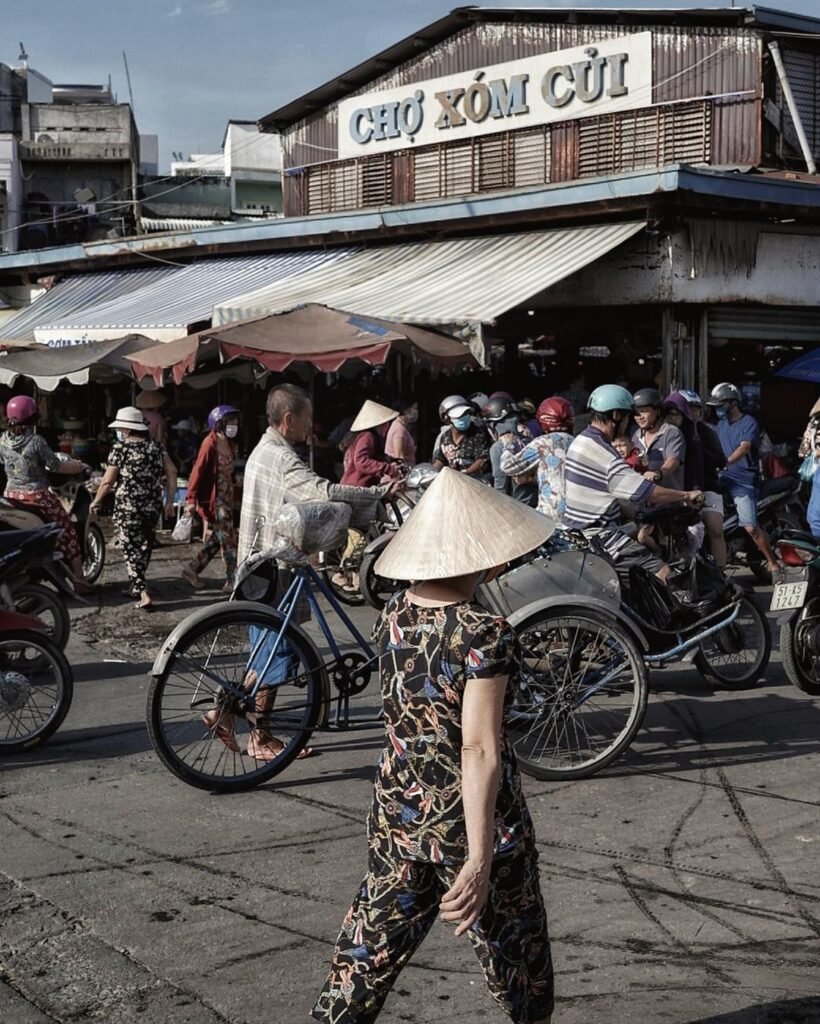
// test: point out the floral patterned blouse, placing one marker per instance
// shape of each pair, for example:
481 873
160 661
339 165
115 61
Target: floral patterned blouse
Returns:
426 657
460 455
26 459
139 484
547 455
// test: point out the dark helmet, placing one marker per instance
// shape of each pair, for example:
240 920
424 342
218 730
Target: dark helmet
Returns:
498 409
722 393
21 409
218 414
556 413
648 397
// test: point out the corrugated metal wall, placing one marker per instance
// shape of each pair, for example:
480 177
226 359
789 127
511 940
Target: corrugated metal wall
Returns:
803 69
687 64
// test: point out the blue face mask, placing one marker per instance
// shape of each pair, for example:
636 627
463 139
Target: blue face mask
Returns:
721 411
462 423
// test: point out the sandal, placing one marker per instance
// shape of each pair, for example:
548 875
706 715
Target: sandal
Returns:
266 752
222 728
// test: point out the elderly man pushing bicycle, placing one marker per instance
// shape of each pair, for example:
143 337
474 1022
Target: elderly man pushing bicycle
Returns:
276 476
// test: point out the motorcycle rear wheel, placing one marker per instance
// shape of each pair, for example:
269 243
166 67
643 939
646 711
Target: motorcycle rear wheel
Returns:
582 693
48 606
36 688
734 658
94 560
375 589
794 665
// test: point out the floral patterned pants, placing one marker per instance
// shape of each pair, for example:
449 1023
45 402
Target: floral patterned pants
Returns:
223 535
396 907
138 537
49 507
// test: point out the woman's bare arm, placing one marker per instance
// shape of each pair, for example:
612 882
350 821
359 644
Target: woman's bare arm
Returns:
482 711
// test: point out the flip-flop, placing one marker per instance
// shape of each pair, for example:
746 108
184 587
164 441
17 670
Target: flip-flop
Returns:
262 754
223 732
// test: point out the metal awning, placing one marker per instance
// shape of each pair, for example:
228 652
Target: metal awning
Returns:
461 281
74 294
166 308
48 367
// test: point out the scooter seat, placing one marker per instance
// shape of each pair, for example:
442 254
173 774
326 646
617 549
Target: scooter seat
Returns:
15 540
778 485
808 538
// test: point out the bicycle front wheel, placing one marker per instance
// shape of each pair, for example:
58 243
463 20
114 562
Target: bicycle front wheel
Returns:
582 693
205 722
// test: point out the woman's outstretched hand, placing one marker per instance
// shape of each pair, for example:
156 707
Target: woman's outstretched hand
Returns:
465 899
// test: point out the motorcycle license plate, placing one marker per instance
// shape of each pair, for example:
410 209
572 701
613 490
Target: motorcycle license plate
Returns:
789 595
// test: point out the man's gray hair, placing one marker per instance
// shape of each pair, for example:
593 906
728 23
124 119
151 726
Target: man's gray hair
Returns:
285 398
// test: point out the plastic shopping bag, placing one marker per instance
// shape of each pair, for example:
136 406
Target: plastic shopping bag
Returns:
183 529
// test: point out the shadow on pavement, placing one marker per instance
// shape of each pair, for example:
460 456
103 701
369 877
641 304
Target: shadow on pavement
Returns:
93 671
684 734
787 1011
76 745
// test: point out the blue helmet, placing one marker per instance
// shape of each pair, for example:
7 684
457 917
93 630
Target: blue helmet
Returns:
218 414
692 397
609 397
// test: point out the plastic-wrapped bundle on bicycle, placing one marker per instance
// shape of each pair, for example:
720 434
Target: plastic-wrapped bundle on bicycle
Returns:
238 677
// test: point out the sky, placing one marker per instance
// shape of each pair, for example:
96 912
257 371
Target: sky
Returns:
196 63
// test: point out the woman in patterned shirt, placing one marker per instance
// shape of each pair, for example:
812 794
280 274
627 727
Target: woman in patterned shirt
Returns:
449 831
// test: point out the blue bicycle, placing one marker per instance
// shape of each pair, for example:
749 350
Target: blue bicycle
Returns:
238 688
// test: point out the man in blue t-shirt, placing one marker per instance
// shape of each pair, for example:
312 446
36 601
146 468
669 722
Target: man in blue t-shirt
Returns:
740 439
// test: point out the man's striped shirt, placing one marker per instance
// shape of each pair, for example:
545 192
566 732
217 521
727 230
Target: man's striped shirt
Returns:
597 479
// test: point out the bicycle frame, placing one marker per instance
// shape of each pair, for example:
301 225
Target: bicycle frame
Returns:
306 583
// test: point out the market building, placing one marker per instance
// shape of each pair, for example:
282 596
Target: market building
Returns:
580 195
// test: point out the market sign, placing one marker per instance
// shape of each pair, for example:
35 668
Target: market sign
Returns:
586 80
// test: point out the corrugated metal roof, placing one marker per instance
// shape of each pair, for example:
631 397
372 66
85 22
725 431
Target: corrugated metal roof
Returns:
76 293
182 296
470 280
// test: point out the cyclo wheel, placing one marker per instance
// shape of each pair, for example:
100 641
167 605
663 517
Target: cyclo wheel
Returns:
208 671
582 693
48 606
735 657
36 688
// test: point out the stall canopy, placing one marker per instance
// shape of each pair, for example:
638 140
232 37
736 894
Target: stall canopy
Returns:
166 306
805 367
459 281
47 367
324 338
74 294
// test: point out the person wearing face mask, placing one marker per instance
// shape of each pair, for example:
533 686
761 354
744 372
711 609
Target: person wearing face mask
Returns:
210 492
399 443
739 436
136 465
463 445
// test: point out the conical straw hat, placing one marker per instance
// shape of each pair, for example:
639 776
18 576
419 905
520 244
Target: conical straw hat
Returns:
372 415
461 526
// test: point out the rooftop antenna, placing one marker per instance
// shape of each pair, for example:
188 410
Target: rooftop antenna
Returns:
128 79
23 55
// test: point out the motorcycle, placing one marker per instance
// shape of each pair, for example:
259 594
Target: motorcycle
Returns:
588 631
39 585
36 684
798 601
16 515
377 590
779 508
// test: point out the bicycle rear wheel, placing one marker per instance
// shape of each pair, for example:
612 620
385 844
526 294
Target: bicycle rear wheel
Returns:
582 693
36 687
201 716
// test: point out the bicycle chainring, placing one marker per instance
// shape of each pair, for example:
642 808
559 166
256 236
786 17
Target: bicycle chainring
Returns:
351 673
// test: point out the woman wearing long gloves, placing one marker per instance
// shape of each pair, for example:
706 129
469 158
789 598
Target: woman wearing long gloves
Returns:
137 465
449 831
27 459
211 492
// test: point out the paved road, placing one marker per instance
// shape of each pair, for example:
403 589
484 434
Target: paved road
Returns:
683 885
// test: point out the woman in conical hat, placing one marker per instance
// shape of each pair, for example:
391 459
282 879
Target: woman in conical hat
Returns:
365 462
449 831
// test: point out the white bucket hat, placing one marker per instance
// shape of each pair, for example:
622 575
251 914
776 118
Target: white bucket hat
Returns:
461 526
129 418
372 415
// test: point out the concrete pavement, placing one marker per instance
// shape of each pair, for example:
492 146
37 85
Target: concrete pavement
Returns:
682 884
